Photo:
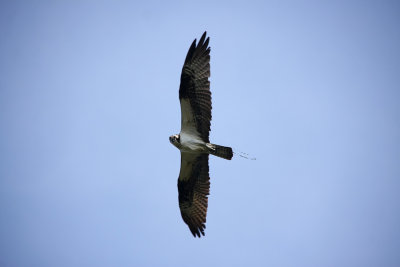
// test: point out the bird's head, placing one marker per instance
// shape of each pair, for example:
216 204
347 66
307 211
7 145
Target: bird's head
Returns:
174 139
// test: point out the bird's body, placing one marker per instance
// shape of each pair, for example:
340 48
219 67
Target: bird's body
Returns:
193 139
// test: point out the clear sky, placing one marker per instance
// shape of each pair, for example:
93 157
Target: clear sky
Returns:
89 97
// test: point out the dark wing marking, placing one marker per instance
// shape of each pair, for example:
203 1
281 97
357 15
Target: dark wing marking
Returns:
194 188
195 89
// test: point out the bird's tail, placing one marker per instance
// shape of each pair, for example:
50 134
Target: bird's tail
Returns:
221 151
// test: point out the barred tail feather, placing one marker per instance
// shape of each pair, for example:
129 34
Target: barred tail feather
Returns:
221 151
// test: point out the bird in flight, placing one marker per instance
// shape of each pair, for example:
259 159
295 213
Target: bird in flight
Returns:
193 140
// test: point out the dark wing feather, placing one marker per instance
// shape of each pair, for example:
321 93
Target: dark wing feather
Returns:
195 87
194 188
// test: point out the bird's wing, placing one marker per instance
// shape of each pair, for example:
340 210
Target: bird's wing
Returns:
194 91
194 187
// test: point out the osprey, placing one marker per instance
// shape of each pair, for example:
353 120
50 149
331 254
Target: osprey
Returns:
193 140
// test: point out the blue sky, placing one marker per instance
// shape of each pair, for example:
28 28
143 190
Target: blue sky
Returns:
89 97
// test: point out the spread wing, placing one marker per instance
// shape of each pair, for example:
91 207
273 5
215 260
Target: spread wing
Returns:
194 91
194 187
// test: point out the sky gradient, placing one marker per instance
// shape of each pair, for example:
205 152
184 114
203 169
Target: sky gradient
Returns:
89 97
